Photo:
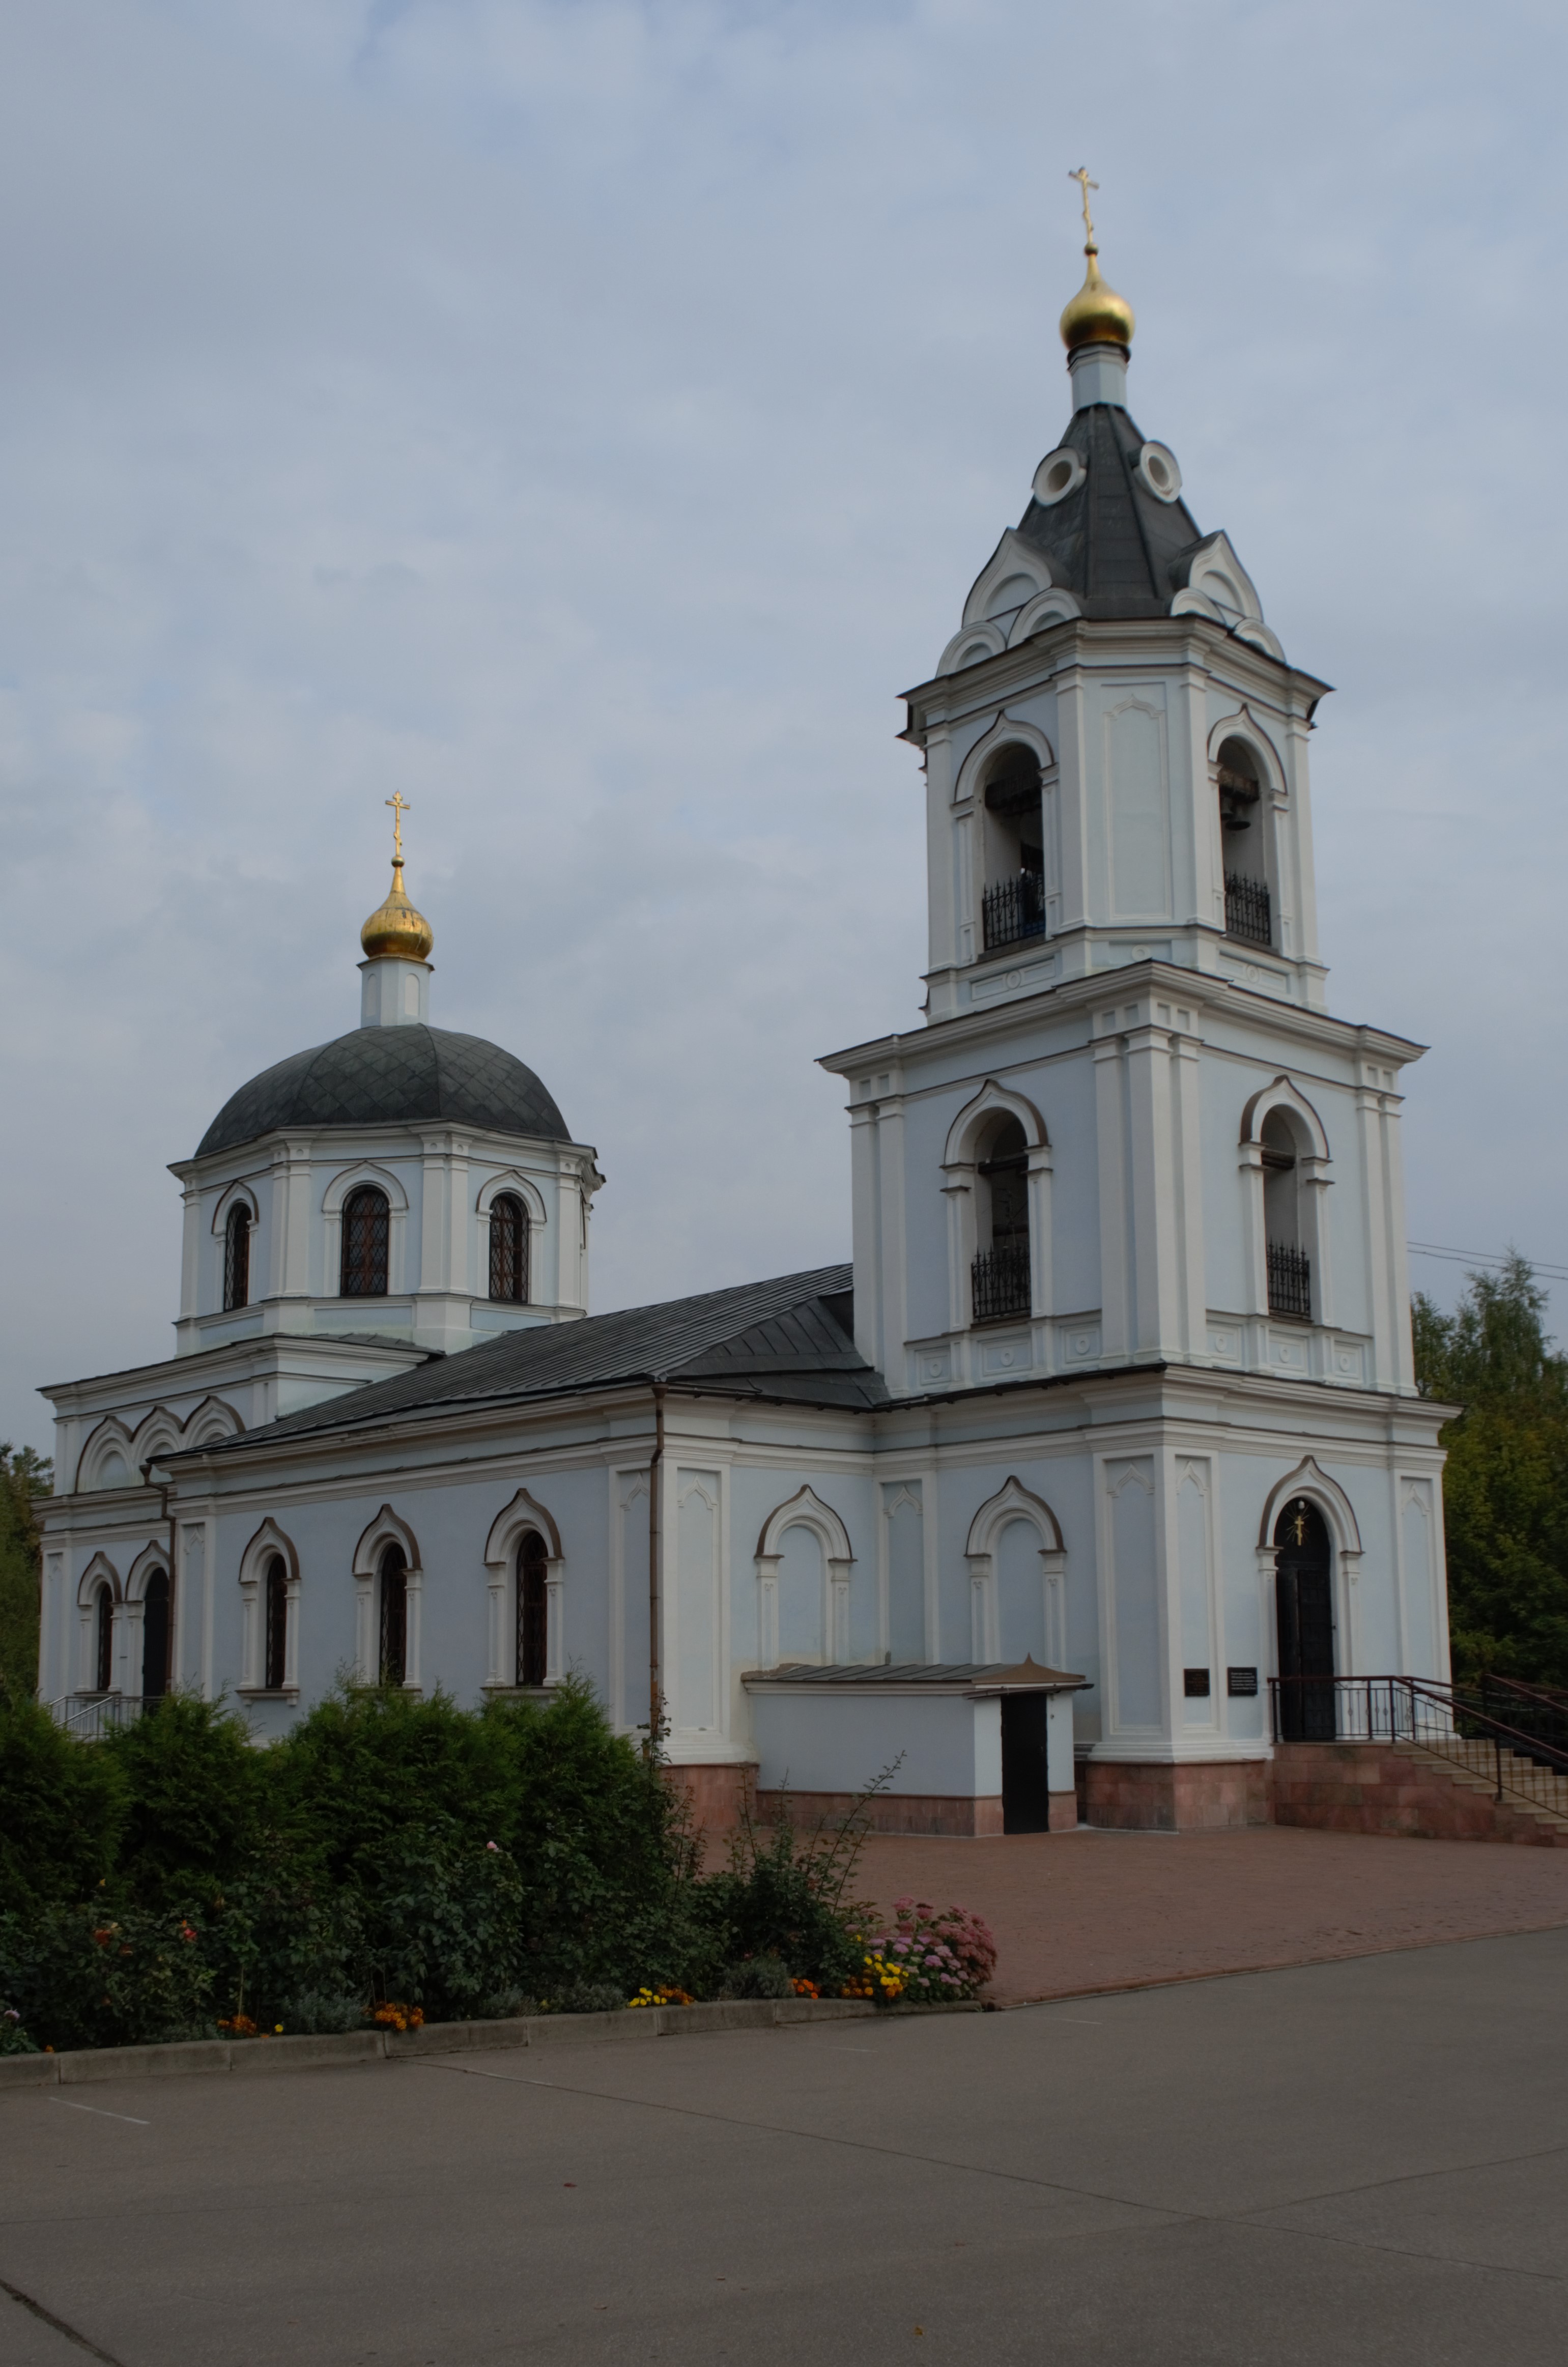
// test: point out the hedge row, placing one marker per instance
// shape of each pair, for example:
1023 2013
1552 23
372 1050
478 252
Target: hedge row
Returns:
174 1877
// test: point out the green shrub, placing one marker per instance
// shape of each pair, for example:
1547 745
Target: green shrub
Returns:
589 1996
62 1811
81 1976
24 1477
757 1977
191 1785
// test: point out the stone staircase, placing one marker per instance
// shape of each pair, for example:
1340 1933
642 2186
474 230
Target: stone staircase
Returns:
1441 1789
1474 1763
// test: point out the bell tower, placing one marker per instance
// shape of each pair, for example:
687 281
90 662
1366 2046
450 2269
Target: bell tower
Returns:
1129 1132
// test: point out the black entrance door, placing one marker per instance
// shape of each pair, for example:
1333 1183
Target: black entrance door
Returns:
1304 1595
155 1636
1026 1791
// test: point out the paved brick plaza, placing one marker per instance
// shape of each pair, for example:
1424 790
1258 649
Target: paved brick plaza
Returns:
1089 1910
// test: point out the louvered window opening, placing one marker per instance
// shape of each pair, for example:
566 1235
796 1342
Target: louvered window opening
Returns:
1289 1280
509 1250
236 1259
1015 910
1249 912
276 1658
533 1610
366 1232
1000 1279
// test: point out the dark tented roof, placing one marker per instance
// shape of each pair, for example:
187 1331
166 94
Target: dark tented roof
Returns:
789 1338
387 1076
1118 550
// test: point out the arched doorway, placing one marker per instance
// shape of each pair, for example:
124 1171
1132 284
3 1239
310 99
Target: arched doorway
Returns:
156 1636
1303 1593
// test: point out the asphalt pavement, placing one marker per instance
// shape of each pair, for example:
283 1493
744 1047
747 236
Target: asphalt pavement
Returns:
1357 2163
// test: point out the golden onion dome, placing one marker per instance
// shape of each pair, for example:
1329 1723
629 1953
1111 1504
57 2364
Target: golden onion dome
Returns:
1097 315
395 927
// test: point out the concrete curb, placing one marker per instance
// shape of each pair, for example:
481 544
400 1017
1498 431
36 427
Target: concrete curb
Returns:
186 2058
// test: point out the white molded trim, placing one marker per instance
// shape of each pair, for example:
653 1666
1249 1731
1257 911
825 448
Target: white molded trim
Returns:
966 639
522 1514
805 1510
511 1179
1051 608
151 1557
1012 556
100 1571
110 1434
959 1149
217 1419
364 1171
386 1529
1242 724
233 1194
1281 1094
1004 733
1329 1497
1013 1501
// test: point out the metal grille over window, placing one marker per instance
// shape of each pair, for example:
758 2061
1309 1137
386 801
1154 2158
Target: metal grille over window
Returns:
1289 1280
236 1258
394 1617
1248 912
508 1249
1015 910
367 1229
533 1610
1001 1278
277 1636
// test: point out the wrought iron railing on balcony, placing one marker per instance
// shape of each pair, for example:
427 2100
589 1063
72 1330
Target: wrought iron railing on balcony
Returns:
1289 1280
1248 912
1001 1281
1014 909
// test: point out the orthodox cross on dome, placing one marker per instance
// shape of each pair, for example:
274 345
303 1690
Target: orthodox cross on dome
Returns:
400 806
1085 186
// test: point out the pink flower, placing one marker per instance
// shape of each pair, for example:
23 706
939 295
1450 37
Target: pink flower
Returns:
494 1845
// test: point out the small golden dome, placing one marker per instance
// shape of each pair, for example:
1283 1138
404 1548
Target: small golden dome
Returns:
1097 315
396 927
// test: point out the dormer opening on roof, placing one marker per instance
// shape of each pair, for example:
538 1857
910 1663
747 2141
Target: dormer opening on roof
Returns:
1014 903
1248 905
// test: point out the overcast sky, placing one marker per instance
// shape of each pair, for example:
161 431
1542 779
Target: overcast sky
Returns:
586 418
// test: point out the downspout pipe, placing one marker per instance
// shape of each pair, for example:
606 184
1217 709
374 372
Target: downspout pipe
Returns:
655 1570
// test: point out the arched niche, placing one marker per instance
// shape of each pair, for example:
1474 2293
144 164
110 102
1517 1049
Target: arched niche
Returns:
804 1510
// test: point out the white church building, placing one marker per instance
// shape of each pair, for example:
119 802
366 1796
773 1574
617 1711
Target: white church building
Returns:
1111 1420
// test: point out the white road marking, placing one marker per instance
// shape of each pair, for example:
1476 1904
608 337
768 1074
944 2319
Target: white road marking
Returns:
101 2112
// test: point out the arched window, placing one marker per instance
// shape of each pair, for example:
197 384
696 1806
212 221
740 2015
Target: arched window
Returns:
103 1641
275 1655
236 1258
1001 1276
1015 849
1289 1268
1248 908
508 1249
533 1609
1303 1564
393 1585
156 1636
367 1230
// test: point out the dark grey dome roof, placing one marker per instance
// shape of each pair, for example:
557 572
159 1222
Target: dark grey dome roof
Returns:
389 1076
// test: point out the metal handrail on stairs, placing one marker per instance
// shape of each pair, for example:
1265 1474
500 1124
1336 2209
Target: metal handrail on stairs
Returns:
1441 1718
90 1716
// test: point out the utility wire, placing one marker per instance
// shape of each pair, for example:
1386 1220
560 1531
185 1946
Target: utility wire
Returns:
1483 1258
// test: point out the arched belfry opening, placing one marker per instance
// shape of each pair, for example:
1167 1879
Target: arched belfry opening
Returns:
1015 848
1001 1277
1249 909
1290 1266
1303 1590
